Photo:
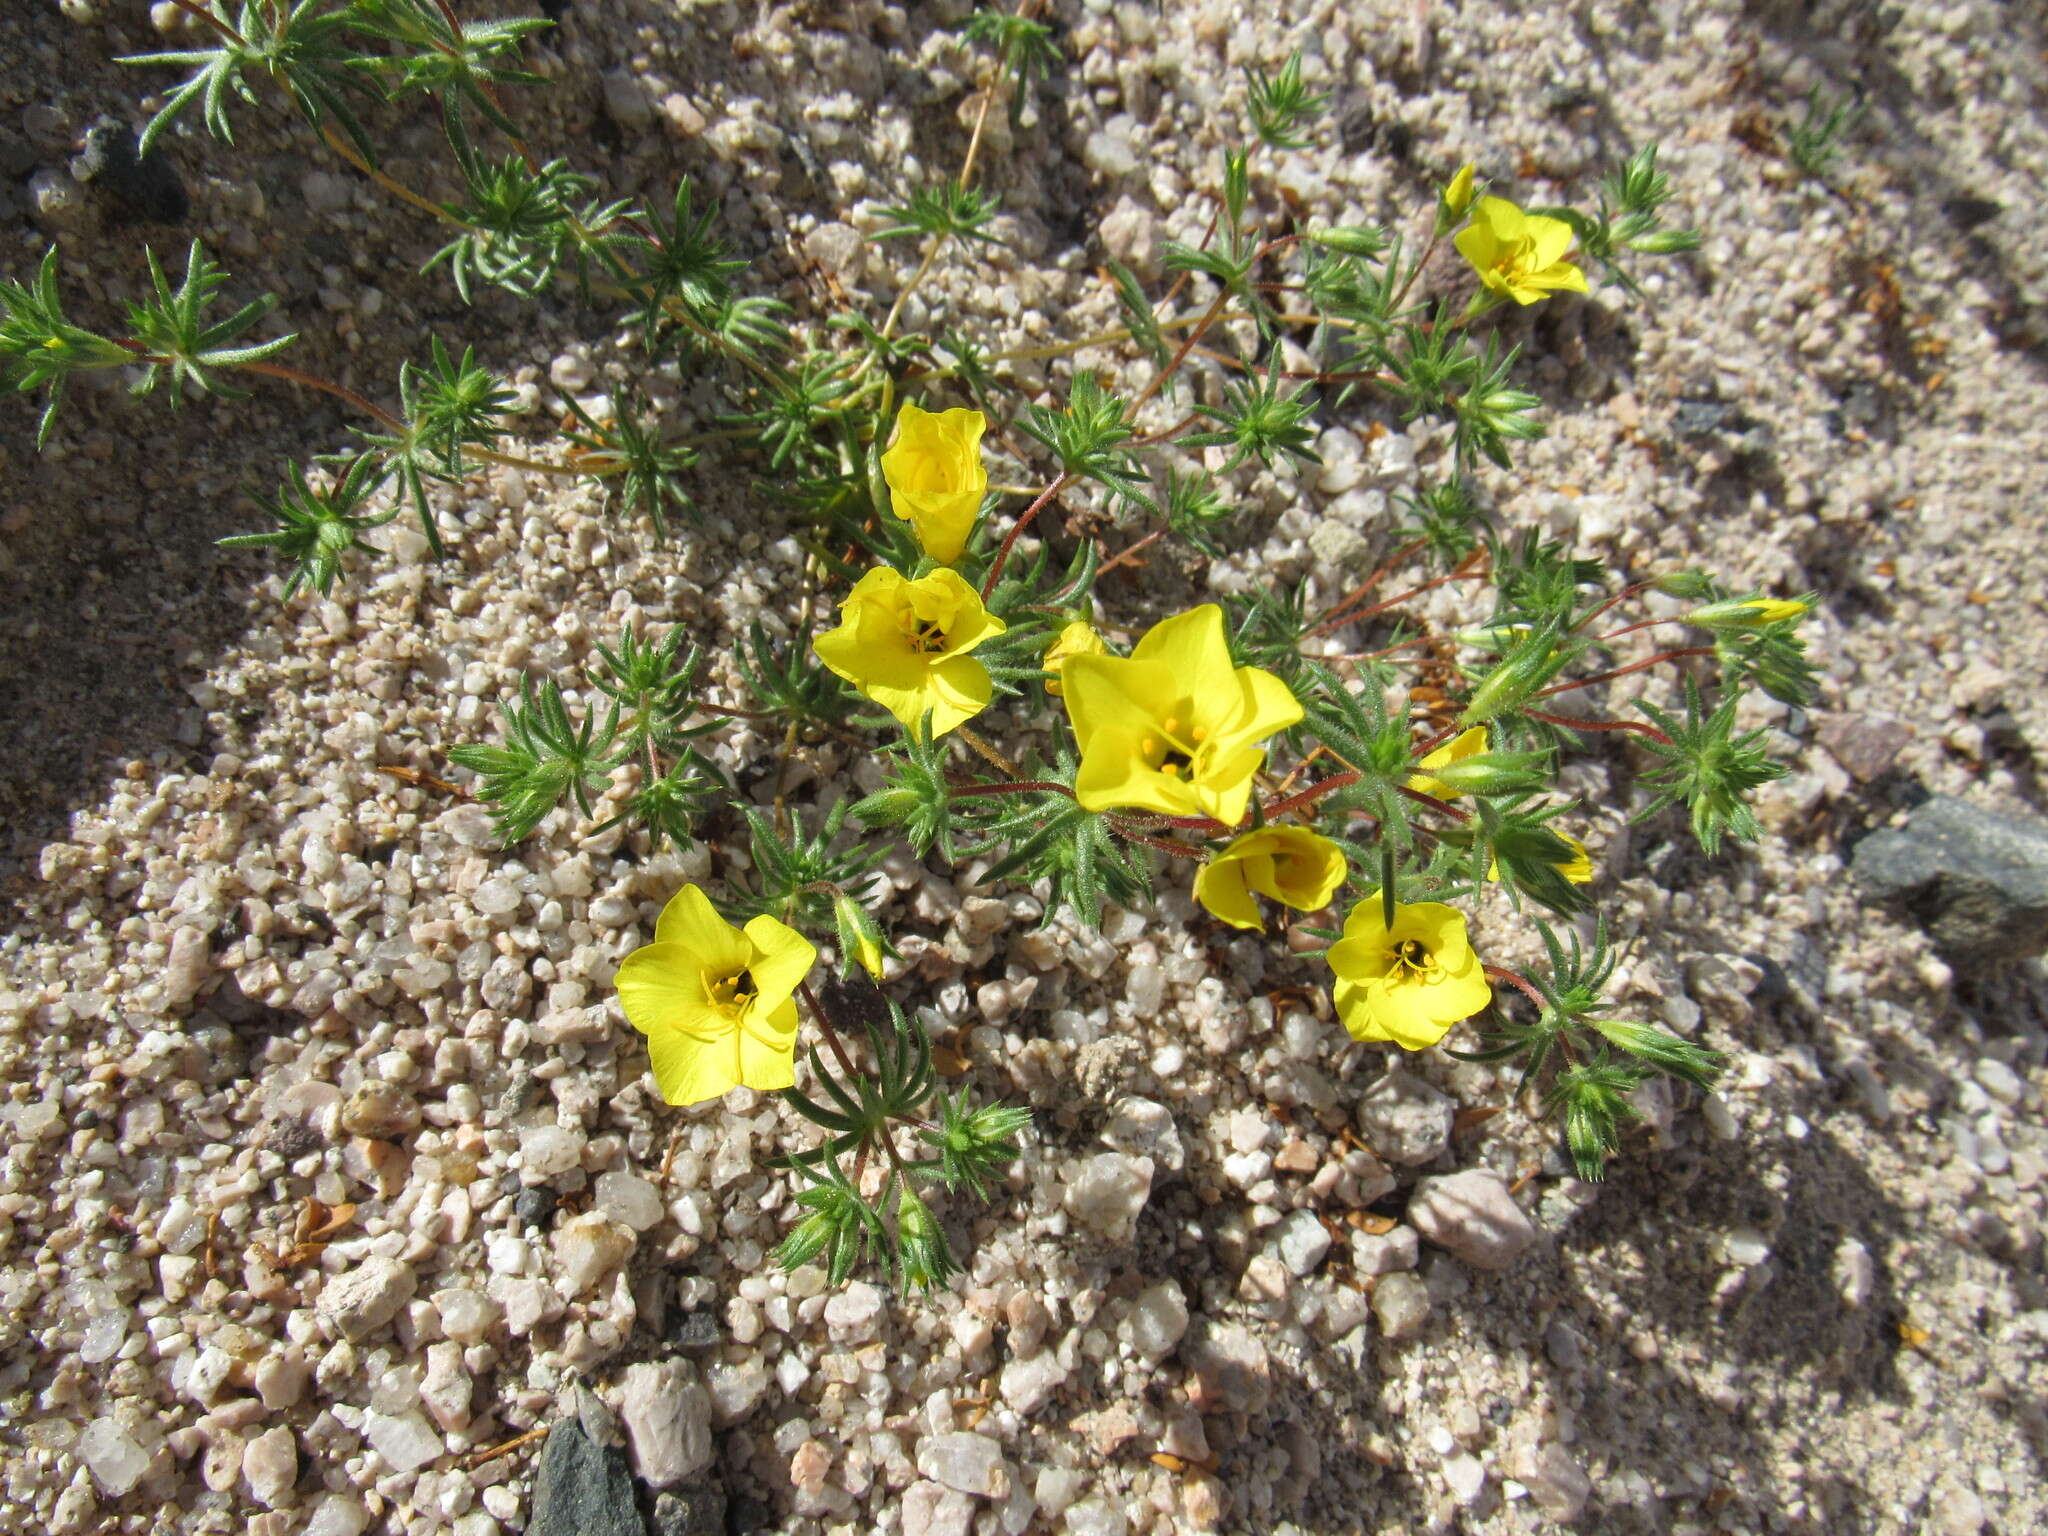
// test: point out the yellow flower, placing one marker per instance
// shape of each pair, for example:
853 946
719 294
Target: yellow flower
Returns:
1409 983
1173 727
1578 868
1519 255
714 1001
904 644
1290 864
1077 639
1465 744
936 479
1457 196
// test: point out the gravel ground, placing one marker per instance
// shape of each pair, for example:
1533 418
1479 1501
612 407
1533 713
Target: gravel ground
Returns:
246 969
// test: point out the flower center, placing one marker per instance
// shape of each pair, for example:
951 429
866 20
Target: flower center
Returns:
1172 750
732 994
1412 960
927 637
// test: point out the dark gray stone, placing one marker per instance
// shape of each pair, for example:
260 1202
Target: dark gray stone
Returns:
696 1330
698 1511
535 1206
1976 880
582 1488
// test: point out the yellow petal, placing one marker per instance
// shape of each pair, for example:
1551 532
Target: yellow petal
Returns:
1194 648
691 921
959 690
1115 692
1223 788
1220 886
1404 1012
1458 195
958 607
1114 774
1507 223
661 989
1270 705
1549 239
1478 244
781 959
1465 744
767 1049
689 1071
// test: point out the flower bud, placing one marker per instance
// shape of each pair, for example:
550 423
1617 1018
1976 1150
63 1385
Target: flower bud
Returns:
1454 198
1662 1050
921 1248
1495 637
1494 773
1691 585
1350 240
1749 612
1535 660
1666 242
860 940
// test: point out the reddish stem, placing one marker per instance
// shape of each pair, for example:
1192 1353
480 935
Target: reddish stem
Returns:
1310 795
1019 787
1386 568
1634 666
340 391
1125 829
213 21
1620 597
1023 521
1597 725
1434 803
1128 554
1460 574
831 1034
1518 981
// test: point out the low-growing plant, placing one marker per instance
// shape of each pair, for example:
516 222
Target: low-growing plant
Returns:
1264 741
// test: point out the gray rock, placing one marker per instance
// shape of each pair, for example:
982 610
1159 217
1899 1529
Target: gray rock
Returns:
1473 1215
1401 1303
1976 880
1299 1242
1381 1253
1106 1192
381 1110
1866 745
667 1415
358 1303
930 1510
1230 1366
698 1511
582 1488
625 100
1405 1120
1145 1128
969 1462
1557 1484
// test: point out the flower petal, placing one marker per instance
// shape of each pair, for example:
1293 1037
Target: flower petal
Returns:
1549 239
781 959
1194 649
690 920
1270 705
767 1049
959 690
1220 886
661 989
689 1071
